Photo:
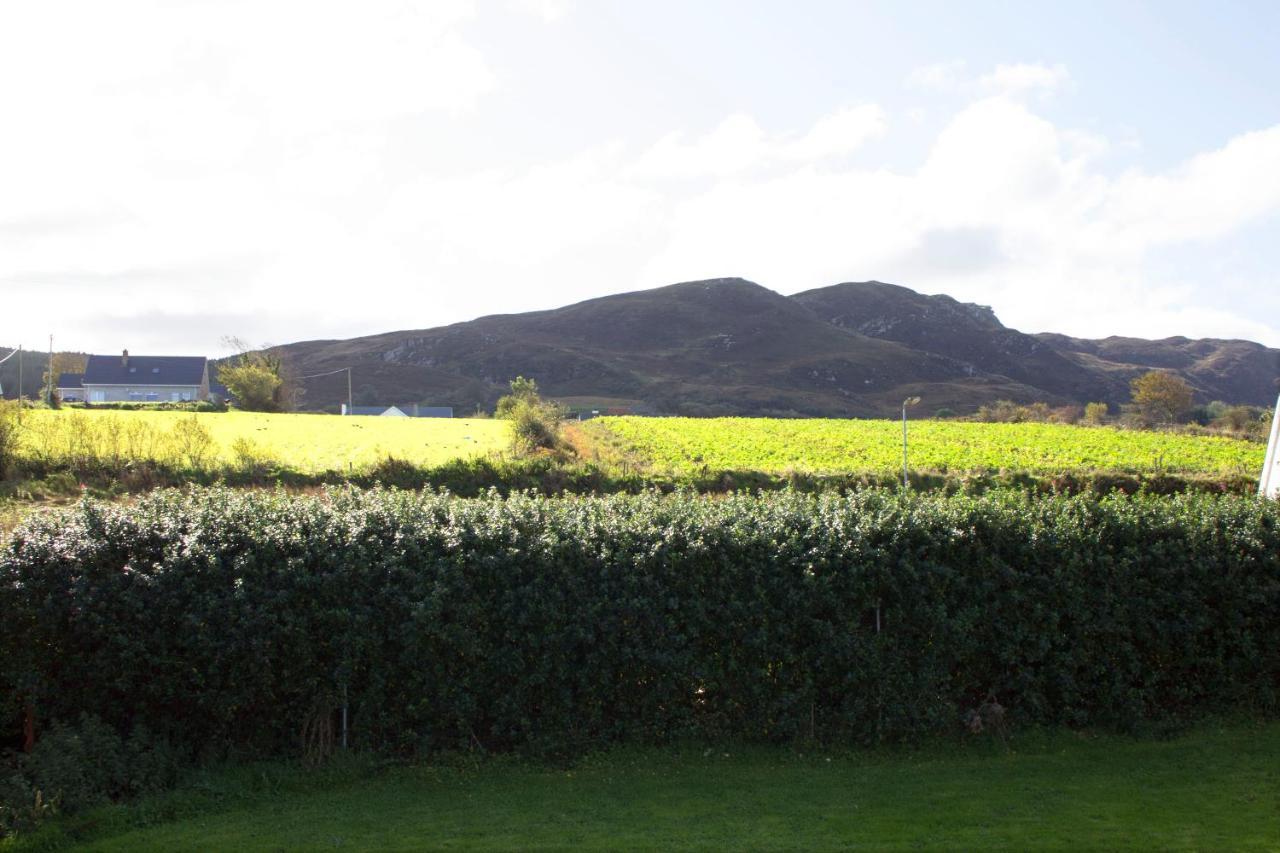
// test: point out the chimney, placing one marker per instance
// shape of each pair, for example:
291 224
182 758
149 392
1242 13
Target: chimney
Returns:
124 358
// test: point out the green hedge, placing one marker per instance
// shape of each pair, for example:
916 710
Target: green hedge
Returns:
158 406
216 619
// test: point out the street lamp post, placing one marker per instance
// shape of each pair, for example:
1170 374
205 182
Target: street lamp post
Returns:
910 401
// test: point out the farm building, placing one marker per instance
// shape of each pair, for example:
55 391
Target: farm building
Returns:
409 411
144 378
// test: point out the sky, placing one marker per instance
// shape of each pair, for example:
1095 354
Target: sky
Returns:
172 173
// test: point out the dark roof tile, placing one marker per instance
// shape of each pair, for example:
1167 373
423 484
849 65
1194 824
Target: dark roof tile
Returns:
144 370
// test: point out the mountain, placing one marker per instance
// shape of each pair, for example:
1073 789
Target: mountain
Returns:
969 333
730 346
1228 370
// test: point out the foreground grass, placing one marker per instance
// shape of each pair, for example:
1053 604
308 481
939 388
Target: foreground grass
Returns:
1214 789
875 446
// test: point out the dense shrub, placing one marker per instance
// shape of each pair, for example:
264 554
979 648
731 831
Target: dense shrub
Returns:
1095 414
78 765
9 425
165 406
534 427
215 619
535 423
1009 412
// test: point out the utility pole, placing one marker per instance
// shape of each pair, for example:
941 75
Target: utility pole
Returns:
52 381
334 373
19 376
910 401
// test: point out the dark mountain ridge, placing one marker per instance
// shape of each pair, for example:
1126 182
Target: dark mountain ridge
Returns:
730 346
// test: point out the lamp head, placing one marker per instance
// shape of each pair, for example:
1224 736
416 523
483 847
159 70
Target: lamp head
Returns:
910 401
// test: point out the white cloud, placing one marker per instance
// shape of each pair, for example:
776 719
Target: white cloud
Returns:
738 145
735 145
1020 78
183 139
281 166
938 77
1024 77
1208 196
842 132
547 10
1007 209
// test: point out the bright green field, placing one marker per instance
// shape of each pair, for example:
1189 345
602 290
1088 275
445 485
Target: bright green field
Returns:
833 446
317 443
1213 789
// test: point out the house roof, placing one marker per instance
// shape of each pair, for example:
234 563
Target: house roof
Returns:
144 370
428 411
70 380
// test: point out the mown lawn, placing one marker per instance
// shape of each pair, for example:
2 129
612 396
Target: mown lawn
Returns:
1217 788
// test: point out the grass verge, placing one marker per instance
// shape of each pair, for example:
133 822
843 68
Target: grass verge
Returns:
1216 788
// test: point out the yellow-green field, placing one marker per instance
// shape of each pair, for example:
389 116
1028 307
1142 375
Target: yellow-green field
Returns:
314 444
306 443
875 446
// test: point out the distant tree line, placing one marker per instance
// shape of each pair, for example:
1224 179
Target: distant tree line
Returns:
1158 399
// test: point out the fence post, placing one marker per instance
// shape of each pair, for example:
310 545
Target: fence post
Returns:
344 715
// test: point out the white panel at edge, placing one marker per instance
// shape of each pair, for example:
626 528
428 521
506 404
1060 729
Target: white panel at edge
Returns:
1270 483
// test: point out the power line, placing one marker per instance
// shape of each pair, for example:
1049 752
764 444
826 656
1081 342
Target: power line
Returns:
330 373
347 370
2 361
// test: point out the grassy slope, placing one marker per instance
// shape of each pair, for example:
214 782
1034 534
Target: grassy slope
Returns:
316 443
1216 788
875 446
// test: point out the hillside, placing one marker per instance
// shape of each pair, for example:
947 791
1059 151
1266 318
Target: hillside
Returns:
732 347
34 365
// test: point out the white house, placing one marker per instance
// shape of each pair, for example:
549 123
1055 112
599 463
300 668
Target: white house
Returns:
144 378
410 411
71 387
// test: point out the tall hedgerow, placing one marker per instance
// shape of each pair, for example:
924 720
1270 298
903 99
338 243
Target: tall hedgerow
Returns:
218 619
